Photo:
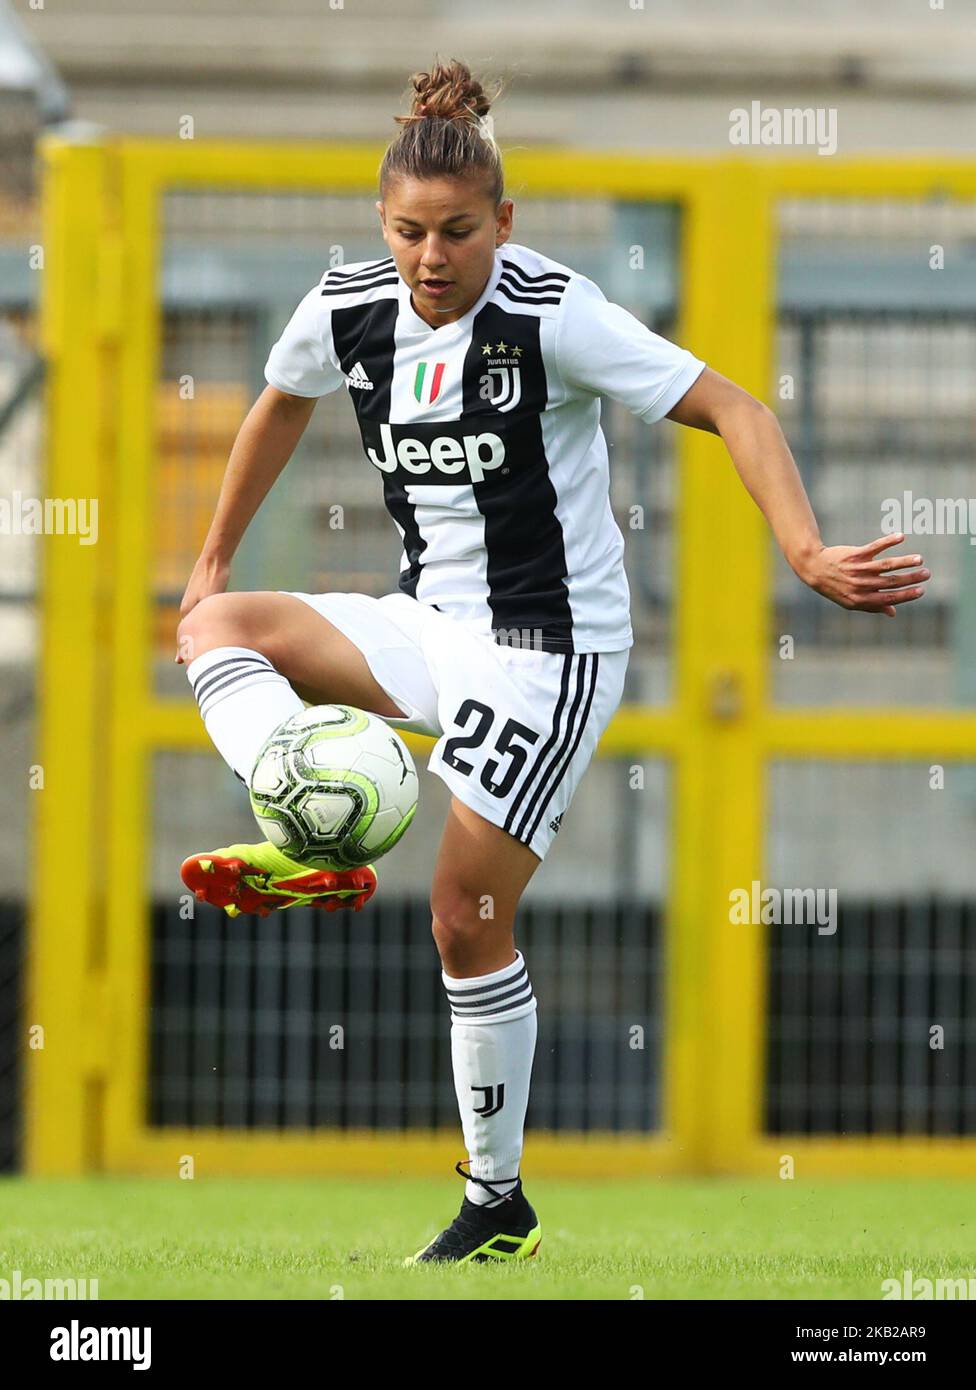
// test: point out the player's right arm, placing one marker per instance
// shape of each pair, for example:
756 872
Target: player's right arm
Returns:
264 444
302 366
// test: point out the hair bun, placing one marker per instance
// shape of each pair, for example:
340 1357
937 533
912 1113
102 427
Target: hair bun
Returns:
448 93
448 133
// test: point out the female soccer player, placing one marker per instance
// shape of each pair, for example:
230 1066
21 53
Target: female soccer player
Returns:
475 367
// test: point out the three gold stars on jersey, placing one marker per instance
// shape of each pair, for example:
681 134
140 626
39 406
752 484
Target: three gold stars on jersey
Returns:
502 351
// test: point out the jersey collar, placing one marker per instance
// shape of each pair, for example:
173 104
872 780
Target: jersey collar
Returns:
415 324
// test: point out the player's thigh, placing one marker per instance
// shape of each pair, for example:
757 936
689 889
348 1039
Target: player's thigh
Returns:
318 660
480 875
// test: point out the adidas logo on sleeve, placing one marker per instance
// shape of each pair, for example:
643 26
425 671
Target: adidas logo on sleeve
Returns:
357 378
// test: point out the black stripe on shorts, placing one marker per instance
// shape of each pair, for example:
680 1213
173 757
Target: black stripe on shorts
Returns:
567 761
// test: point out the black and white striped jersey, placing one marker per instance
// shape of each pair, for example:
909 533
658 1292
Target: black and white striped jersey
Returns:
486 433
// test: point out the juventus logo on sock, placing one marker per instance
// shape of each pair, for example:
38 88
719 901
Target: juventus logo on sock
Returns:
493 1033
490 1106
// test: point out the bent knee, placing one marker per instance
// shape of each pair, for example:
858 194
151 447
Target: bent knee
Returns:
469 944
460 919
223 620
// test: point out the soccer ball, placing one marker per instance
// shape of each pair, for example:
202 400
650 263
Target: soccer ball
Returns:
334 787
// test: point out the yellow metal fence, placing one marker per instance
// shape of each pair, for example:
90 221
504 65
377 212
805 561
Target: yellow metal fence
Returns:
101 721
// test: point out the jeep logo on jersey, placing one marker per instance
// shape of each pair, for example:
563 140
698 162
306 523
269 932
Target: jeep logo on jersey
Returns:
442 453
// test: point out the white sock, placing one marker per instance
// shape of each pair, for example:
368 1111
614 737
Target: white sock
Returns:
242 699
493 1032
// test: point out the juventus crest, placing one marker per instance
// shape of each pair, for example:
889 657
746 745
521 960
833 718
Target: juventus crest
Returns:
493 1102
502 382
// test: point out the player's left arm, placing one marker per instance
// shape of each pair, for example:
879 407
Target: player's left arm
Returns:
856 577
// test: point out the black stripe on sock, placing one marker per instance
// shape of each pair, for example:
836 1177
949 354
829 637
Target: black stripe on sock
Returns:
490 1013
198 684
489 1004
244 678
487 989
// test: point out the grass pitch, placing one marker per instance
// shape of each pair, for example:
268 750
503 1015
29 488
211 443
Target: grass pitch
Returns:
331 1238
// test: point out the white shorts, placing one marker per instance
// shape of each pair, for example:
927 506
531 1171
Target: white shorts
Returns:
515 727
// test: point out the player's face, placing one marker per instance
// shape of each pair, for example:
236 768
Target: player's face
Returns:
443 234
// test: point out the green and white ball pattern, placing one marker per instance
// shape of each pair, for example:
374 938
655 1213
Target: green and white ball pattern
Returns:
334 787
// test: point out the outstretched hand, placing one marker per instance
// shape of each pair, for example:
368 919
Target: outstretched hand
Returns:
854 577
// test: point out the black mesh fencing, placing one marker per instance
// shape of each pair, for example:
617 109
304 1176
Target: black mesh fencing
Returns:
872 1029
306 1019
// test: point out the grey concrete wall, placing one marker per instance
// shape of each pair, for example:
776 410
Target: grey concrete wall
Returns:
597 73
